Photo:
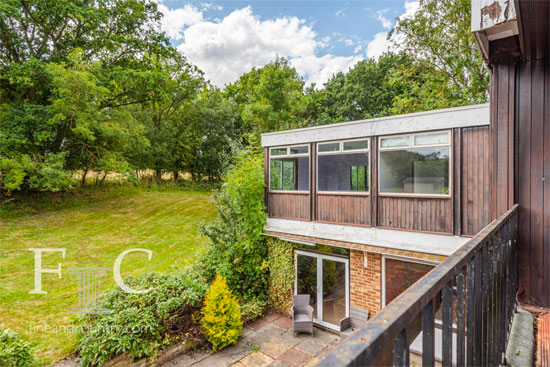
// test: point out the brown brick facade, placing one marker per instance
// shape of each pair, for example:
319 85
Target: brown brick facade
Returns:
365 282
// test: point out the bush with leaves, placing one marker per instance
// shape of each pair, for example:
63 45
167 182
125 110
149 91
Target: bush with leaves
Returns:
142 324
281 274
237 250
253 308
221 321
14 351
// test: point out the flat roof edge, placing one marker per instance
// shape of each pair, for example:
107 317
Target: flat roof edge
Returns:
447 118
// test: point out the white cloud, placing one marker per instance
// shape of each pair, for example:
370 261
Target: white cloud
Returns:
378 45
340 13
174 21
226 49
410 8
386 23
318 69
210 6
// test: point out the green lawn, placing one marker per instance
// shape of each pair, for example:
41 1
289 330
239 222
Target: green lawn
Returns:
94 230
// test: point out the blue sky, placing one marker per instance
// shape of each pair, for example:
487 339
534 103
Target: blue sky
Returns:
228 38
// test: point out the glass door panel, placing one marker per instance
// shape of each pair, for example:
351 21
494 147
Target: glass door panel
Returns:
334 291
307 279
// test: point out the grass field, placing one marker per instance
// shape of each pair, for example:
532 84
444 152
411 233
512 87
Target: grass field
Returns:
94 229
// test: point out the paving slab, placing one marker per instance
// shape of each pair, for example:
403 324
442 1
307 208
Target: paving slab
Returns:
237 351
188 359
272 317
257 359
246 331
292 340
294 357
258 324
326 337
258 338
278 363
311 346
275 348
312 362
284 322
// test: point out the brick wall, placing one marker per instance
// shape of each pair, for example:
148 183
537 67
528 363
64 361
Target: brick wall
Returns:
365 282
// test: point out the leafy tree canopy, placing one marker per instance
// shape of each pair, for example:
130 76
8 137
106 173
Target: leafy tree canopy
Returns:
447 69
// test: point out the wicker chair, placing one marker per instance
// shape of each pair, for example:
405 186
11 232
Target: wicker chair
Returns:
302 314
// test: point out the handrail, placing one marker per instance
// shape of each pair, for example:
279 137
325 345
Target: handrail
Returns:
478 266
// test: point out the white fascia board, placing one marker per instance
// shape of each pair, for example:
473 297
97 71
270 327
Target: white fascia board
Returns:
449 118
437 244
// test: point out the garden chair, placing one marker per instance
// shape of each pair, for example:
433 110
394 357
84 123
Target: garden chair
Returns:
302 314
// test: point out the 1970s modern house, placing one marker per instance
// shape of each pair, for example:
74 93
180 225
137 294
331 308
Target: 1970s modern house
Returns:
420 182
376 204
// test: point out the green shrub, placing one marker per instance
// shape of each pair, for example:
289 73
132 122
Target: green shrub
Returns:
142 324
252 309
14 351
221 321
236 248
281 274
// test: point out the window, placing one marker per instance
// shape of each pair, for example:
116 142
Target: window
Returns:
343 166
289 168
415 164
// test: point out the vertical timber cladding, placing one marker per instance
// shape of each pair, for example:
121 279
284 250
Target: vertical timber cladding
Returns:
533 179
472 185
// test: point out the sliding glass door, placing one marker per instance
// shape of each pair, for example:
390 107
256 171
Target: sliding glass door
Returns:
325 278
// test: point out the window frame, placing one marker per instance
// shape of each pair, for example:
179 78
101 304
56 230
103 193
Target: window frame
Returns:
286 156
413 146
341 151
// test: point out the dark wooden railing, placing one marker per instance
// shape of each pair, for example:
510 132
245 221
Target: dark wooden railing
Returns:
473 293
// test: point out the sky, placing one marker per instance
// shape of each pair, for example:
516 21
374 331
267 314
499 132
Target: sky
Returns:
228 38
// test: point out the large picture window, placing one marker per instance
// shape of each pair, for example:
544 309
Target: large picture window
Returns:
343 166
415 164
289 168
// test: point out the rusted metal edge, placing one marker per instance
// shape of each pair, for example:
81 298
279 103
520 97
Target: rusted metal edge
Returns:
380 332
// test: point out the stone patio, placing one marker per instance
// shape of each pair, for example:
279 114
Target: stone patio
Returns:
267 342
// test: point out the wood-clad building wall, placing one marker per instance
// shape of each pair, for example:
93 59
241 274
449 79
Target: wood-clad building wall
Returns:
520 142
465 212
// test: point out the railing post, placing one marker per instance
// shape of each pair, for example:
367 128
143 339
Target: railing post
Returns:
428 334
460 324
447 327
470 313
401 350
478 309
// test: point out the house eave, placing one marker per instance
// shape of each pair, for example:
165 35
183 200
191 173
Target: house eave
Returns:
430 243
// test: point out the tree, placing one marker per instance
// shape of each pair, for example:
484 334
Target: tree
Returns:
211 129
171 84
270 98
447 69
48 30
366 91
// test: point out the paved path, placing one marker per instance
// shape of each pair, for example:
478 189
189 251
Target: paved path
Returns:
268 342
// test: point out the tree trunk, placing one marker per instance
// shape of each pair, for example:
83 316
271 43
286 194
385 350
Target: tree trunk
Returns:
83 179
159 175
176 175
103 178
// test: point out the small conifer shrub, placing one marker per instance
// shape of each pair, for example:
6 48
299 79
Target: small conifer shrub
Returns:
221 321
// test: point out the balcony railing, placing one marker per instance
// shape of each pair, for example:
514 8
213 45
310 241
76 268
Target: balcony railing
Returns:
473 293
